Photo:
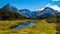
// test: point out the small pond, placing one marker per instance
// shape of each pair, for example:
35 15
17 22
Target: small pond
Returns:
23 25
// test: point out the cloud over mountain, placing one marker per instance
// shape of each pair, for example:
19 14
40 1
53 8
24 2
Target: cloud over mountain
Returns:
55 7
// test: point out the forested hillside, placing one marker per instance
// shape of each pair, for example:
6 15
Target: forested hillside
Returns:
9 15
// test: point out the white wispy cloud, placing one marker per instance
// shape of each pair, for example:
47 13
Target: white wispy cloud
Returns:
41 9
48 5
55 7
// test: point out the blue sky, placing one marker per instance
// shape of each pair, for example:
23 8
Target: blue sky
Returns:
29 4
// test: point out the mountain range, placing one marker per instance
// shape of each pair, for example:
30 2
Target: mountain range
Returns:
46 12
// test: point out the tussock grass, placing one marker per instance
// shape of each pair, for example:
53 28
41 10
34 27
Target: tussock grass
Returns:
41 27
